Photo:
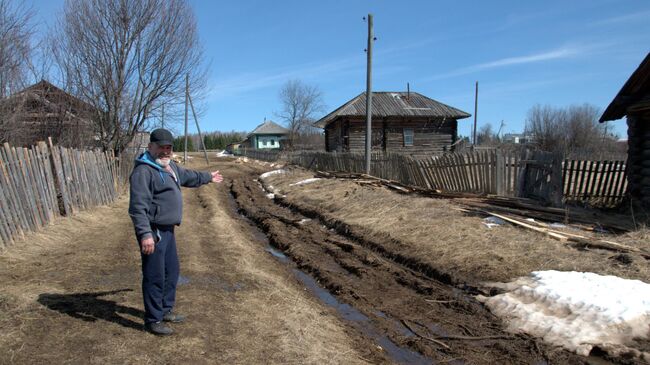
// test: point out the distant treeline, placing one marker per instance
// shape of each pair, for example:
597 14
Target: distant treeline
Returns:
212 140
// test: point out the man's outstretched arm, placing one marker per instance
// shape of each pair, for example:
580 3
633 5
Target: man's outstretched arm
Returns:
193 179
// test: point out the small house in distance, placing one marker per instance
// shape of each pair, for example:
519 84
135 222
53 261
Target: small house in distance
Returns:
405 122
633 101
267 135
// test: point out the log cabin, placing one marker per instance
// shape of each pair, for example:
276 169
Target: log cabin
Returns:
633 101
402 122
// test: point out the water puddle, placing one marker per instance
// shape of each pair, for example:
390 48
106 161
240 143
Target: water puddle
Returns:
380 314
277 254
362 323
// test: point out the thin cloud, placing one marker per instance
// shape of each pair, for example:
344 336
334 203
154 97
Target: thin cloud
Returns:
247 82
627 18
254 81
555 54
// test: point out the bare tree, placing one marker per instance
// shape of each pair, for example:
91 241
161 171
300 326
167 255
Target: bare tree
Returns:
570 130
486 136
300 104
127 58
16 31
15 54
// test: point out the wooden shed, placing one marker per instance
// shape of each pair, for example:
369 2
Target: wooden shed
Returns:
633 101
406 122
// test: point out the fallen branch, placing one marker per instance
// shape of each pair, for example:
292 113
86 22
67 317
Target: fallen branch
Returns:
456 337
425 337
574 239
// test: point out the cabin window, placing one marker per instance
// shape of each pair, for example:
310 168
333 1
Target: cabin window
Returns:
408 137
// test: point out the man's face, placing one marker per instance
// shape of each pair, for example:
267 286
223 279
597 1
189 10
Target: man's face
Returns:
162 154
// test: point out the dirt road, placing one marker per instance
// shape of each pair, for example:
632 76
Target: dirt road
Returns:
71 294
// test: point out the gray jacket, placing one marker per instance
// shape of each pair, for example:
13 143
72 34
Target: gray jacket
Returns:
155 197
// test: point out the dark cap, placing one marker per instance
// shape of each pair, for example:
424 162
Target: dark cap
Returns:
161 137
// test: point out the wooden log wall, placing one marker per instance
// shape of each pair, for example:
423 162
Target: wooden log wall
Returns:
638 163
43 182
430 136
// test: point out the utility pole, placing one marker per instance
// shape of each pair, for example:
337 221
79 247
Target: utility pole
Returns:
205 153
187 97
475 113
369 95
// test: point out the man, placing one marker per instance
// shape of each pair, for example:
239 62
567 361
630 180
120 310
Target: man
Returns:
156 207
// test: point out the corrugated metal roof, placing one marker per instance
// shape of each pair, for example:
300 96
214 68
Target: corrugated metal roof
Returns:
394 104
636 88
269 127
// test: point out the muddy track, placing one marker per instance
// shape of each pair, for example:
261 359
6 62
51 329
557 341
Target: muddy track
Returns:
413 305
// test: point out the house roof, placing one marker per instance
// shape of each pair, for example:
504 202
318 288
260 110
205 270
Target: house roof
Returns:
394 104
637 88
46 92
269 127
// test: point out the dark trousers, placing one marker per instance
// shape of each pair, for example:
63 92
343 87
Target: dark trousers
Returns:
160 272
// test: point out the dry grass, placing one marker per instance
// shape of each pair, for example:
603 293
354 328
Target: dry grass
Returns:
434 231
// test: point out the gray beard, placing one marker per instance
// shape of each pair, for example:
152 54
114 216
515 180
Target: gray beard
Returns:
164 162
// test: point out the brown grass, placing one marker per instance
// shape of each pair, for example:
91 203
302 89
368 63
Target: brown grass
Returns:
453 242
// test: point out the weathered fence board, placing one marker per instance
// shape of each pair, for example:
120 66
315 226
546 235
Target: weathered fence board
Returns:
601 183
40 183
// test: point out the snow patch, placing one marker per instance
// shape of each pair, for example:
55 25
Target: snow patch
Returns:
577 310
306 181
271 173
270 196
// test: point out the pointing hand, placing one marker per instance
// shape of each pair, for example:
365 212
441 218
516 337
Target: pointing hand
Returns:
216 177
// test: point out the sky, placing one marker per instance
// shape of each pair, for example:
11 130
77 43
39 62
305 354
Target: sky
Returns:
522 53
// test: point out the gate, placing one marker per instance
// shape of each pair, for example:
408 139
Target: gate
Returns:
540 177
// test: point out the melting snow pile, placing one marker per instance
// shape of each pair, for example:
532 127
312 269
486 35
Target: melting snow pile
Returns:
270 173
577 310
306 181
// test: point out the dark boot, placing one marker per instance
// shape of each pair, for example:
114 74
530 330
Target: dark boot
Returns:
158 328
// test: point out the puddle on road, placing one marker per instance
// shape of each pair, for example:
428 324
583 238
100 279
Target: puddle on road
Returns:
362 323
277 254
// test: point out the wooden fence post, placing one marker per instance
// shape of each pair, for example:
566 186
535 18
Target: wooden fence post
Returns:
500 173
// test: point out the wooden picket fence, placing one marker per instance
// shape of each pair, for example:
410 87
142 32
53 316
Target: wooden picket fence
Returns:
600 183
263 155
532 174
45 181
